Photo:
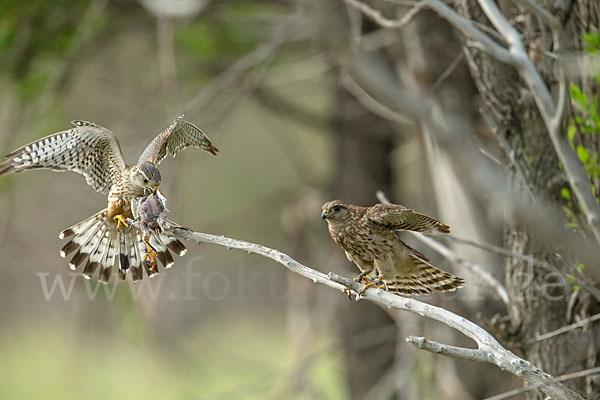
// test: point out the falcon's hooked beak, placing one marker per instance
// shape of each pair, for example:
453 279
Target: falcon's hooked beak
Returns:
151 189
324 216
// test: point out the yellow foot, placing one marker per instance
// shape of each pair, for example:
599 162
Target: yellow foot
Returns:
368 285
150 256
349 293
120 220
361 279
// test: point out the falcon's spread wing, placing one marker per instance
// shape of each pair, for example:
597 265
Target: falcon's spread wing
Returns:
87 149
396 217
179 135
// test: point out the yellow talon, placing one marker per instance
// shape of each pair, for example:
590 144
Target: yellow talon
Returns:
368 285
150 256
349 293
361 279
120 220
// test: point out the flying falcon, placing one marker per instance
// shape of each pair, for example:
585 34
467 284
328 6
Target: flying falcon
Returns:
368 236
105 239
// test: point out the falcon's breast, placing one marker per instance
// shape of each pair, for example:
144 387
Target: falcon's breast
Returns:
365 241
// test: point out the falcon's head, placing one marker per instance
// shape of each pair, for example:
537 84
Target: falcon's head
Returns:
336 210
146 175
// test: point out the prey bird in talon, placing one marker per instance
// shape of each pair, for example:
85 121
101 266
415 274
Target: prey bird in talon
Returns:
106 239
149 218
369 237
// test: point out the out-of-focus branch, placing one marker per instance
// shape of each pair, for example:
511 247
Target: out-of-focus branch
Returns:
231 75
535 8
167 64
369 102
482 40
476 269
452 256
579 279
562 378
488 350
287 108
376 16
568 328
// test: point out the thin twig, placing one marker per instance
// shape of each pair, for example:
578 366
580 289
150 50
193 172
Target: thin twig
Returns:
488 347
510 153
568 328
448 71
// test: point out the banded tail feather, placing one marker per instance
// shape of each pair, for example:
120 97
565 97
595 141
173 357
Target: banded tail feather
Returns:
99 247
427 280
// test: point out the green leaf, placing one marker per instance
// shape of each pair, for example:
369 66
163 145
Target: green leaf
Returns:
578 96
591 41
565 193
582 154
571 135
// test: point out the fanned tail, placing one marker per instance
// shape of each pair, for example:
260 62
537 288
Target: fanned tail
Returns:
97 245
426 280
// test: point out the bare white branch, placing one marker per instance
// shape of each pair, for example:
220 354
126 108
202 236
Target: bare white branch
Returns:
251 248
446 350
488 350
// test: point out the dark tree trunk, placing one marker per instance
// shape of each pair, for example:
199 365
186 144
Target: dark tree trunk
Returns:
363 144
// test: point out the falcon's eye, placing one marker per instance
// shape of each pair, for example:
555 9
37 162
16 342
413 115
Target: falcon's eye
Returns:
145 180
336 208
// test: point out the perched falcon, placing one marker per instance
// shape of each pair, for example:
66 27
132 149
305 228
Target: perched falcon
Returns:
368 236
105 239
